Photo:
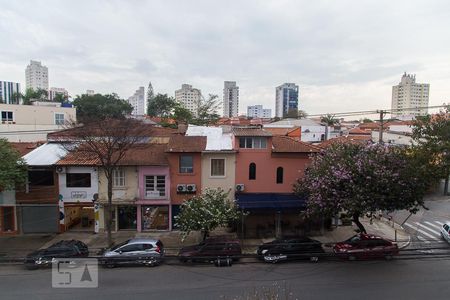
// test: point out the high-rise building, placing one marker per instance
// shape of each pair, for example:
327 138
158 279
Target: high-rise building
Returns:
230 99
257 111
138 102
286 99
189 97
57 91
36 76
90 92
9 92
410 98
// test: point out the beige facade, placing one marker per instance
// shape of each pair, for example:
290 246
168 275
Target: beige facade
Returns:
225 181
122 195
31 123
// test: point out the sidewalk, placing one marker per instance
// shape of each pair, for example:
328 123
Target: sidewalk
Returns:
17 247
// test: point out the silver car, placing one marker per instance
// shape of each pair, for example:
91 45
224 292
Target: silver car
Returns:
145 251
445 231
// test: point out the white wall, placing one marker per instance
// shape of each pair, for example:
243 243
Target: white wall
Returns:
78 194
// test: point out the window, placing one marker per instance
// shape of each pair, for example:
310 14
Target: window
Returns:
78 179
252 142
218 167
118 178
279 175
252 171
7 116
43 178
186 164
59 119
131 248
155 186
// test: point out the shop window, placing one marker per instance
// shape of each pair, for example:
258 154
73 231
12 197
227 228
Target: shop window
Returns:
42 178
218 167
279 175
252 171
155 217
186 164
155 186
78 179
118 178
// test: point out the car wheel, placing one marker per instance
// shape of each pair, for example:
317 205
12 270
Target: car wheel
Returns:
184 260
352 258
314 259
388 256
270 259
110 265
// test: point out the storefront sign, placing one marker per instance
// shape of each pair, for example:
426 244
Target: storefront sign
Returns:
79 195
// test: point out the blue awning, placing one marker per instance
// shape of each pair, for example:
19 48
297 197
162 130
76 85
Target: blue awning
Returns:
270 201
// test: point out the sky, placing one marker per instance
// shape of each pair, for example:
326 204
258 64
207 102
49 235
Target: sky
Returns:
344 55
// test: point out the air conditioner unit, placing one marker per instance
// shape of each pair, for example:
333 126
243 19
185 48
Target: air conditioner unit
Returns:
240 187
181 188
191 188
60 169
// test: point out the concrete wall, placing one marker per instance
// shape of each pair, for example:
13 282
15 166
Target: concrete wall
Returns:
78 194
126 194
226 182
184 178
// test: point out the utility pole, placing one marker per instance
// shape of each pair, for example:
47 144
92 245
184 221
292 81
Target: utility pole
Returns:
382 113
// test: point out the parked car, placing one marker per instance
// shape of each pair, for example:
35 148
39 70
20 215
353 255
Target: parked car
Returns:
445 231
145 251
211 249
290 248
362 246
61 249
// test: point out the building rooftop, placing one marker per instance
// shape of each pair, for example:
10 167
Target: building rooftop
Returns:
293 123
45 155
216 139
250 131
182 143
287 144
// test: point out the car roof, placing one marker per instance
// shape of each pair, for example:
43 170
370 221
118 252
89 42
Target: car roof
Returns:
143 240
366 236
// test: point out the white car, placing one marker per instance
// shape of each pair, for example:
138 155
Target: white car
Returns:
445 231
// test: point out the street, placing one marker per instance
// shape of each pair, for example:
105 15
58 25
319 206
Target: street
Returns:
417 278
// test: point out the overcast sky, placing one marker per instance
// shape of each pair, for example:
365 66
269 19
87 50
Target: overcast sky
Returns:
344 55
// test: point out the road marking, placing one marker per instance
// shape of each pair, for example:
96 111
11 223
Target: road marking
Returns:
431 224
429 229
438 222
420 230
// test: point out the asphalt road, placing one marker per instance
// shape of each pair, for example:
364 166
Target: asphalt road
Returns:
417 278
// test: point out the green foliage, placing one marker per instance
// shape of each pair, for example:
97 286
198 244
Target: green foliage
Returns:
367 120
61 98
182 115
161 106
13 171
361 179
302 114
431 135
31 95
329 120
100 107
206 212
207 111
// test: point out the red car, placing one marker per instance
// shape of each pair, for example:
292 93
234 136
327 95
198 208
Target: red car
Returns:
362 246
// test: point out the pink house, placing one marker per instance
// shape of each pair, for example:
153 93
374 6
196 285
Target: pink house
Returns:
266 168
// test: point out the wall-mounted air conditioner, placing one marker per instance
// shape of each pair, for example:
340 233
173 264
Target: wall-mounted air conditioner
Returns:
240 187
60 169
191 188
181 188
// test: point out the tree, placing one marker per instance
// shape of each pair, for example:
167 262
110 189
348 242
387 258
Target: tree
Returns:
31 95
206 212
106 141
161 106
431 135
13 171
207 111
367 120
292 113
362 179
61 98
150 94
328 120
302 114
99 107
182 115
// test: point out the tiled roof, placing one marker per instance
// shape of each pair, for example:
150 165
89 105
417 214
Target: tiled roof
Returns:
250 131
361 139
181 143
370 125
25 148
139 155
280 131
358 131
288 144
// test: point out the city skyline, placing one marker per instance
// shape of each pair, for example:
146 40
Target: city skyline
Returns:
342 60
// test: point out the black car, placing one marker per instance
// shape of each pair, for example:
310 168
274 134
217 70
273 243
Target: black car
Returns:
290 248
61 249
211 249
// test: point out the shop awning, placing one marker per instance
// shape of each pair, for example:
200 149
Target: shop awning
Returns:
270 201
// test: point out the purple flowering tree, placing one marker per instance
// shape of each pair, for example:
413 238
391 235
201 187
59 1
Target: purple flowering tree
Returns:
361 179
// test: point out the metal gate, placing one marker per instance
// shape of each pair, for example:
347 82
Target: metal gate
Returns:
40 219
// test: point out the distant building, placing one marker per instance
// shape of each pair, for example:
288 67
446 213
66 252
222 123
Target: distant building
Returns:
410 98
286 99
7 91
311 131
36 76
189 97
55 91
138 102
230 99
257 111
90 92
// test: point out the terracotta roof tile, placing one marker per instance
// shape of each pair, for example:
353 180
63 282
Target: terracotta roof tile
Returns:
25 148
181 143
288 144
358 131
346 139
280 131
250 131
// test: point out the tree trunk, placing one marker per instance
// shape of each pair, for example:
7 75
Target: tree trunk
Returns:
110 216
358 223
205 234
446 186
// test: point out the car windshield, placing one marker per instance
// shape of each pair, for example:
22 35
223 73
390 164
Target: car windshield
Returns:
115 247
353 239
